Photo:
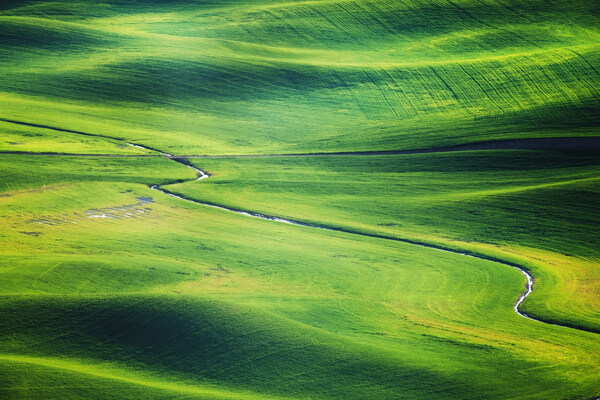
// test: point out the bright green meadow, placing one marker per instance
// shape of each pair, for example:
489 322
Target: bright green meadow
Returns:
112 289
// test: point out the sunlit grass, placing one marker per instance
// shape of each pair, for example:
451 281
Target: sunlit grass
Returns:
109 289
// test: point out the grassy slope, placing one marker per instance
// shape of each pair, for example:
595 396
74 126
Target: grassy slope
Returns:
29 139
240 77
534 207
201 312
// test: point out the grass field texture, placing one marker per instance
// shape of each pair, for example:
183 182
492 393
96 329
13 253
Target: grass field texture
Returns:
240 77
110 289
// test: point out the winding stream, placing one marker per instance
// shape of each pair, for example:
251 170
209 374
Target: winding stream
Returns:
573 143
204 175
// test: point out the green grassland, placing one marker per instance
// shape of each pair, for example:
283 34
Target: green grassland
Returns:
157 302
110 289
241 77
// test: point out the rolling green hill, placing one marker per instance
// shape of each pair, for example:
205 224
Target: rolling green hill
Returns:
110 288
240 77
